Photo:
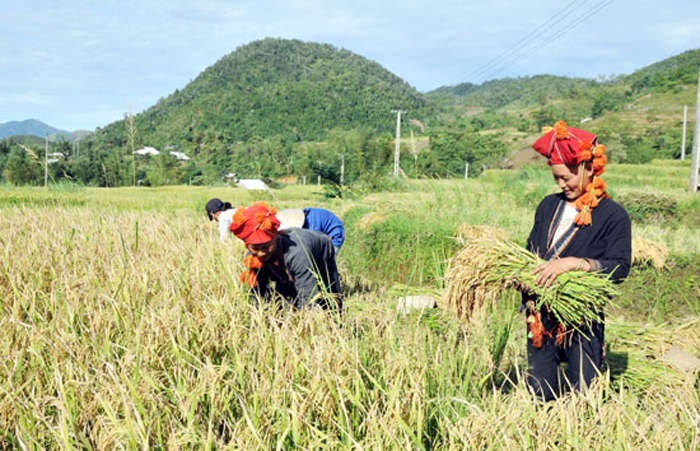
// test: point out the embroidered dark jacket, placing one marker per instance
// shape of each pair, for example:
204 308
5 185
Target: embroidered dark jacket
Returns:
608 239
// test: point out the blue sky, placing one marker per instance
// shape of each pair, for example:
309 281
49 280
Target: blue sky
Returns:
78 64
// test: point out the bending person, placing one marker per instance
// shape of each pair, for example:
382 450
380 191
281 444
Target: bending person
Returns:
314 219
300 262
578 229
221 212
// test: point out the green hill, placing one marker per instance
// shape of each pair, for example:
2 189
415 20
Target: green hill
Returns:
639 115
523 92
294 89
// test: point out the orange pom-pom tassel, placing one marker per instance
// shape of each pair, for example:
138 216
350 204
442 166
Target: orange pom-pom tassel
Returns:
598 164
536 329
562 130
586 155
252 262
252 279
266 224
599 151
238 218
584 217
260 217
560 334
583 200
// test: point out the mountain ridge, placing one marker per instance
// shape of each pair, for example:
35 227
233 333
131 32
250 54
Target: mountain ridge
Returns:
38 128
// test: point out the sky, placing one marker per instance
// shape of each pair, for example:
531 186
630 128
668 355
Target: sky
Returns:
79 64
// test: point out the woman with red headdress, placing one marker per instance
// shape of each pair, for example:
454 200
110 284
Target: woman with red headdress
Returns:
300 262
578 229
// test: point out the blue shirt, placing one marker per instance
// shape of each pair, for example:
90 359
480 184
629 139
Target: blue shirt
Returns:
326 222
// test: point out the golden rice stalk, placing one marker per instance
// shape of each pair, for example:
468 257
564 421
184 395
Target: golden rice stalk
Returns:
465 232
468 285
648 252
368 220
486 267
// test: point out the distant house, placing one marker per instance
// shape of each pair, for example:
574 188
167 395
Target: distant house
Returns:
147 151
251 184
180 156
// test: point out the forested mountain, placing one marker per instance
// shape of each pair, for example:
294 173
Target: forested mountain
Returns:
289 88
522 91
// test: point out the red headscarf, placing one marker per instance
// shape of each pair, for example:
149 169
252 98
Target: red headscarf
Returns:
564 145
571 146
256 224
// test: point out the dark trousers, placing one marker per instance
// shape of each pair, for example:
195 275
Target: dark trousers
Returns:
582 350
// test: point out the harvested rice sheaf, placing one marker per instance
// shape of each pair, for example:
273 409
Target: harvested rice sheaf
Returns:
648 252
367 221
465 232
484 268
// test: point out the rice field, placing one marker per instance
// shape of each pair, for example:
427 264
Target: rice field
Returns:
124 326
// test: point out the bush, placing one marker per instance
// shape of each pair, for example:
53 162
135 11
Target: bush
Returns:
644 207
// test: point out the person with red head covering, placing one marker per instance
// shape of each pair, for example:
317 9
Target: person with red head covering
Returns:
577 229
300 262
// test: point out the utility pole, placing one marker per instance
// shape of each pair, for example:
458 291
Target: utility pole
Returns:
131 132
466 171
695 158
397 149
342 169
685 126
319 172
46 163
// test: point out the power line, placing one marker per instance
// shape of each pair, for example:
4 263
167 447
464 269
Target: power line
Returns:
528 46
536 32
545 42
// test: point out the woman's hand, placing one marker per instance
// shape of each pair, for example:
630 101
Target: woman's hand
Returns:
548 272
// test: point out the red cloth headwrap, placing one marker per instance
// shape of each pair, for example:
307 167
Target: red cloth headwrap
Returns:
562 145
256 224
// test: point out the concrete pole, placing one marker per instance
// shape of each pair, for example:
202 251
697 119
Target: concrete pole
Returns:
685 126
46 163
397 148
342 170
466 171
695 159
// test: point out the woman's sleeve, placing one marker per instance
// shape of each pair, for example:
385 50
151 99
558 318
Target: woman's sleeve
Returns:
618 244
532 244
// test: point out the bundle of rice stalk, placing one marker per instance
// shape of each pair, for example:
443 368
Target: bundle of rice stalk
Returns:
634 371
468 286
465 232
575 298
370 219
645 252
